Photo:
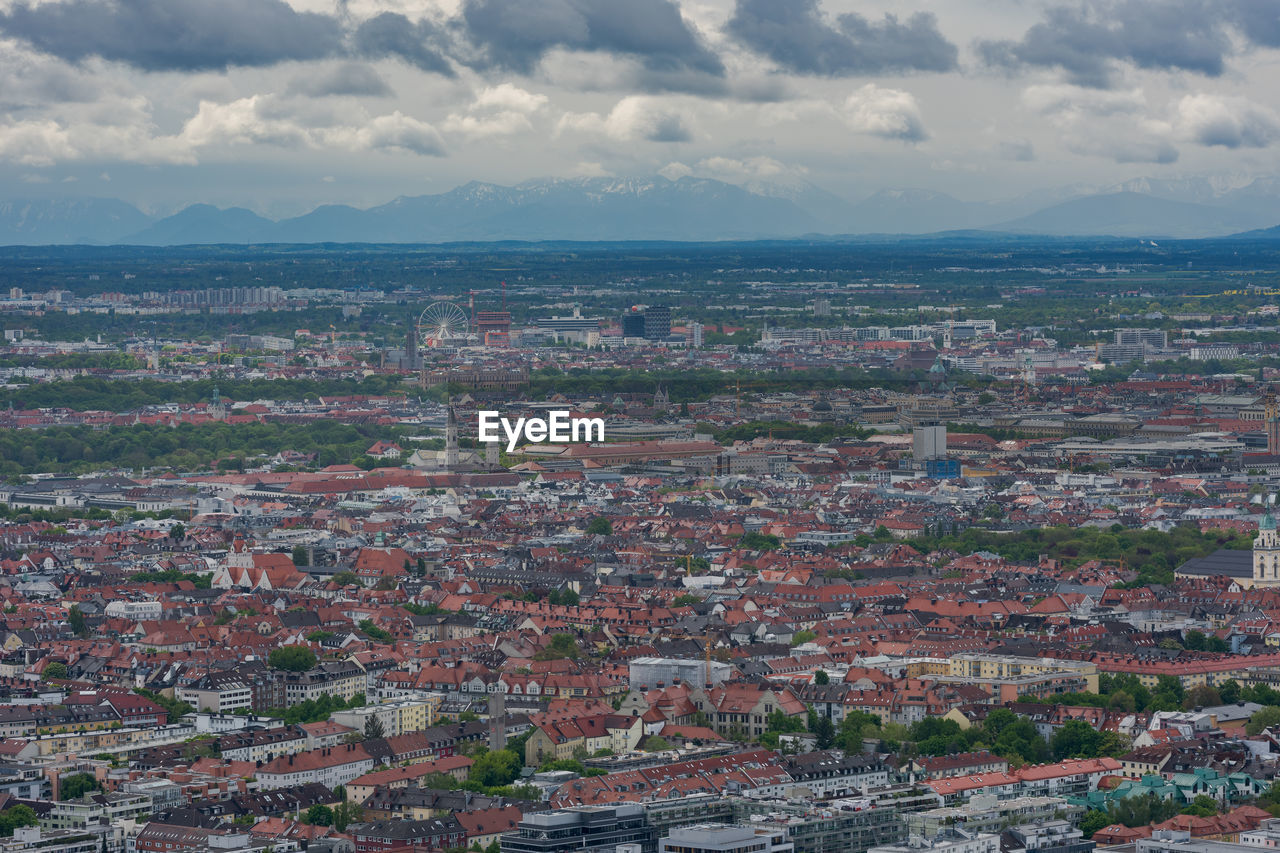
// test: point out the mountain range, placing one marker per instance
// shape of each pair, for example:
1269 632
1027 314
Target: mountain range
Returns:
656 208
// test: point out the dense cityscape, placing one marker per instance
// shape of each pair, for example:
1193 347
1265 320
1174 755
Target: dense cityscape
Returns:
883 549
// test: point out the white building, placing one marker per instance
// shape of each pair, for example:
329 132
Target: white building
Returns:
722 838
947 841
142 611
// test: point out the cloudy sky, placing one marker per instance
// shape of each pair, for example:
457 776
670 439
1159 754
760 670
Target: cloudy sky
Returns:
279 105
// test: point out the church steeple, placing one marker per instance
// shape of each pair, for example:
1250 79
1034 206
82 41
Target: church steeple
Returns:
1266 553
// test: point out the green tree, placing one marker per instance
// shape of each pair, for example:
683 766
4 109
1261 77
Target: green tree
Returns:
14 817
373 727
346 813
319 815
654 743
1202 696
821 678
375 632
600 526
299 557
754 540
560 646
1202 806
784 724
1092 821
76 785
56 669
1263 718
799 638
825 732
178 532
1076 739
291 658
495 768
76 621
345 579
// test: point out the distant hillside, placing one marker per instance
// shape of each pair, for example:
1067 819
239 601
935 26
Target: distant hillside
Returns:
37 222
1131 214
688 209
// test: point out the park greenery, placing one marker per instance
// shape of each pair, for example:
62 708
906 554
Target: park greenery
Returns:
291 658
94 393
1152 554
315 710
186 447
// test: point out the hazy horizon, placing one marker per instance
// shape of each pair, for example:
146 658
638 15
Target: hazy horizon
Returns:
281 106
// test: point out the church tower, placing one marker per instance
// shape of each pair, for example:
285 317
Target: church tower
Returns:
451 440
1266 553
216 408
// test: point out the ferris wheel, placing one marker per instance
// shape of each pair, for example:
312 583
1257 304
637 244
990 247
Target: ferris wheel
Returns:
440 322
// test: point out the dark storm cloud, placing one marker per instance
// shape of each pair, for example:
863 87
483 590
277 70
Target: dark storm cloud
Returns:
392 34
1087 42
174 35
516 34
349 78
796 35
1258 20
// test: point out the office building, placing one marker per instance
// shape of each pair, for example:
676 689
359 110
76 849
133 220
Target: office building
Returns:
928 441
721 838
651 322
575 322
1154 338
947 841
633 324
585 828
988 813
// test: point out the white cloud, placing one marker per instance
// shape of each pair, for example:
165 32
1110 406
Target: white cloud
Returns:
635 118
591 169
887 113
505 123
502 110
395 132
119 130
675 170
749 167
259 120
1074 102
240 122
1226 121
506 96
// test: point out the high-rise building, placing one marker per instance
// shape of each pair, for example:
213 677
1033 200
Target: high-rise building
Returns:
822 307
657 322
411 348
652 322
494 326
695 335
928 441
633 324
